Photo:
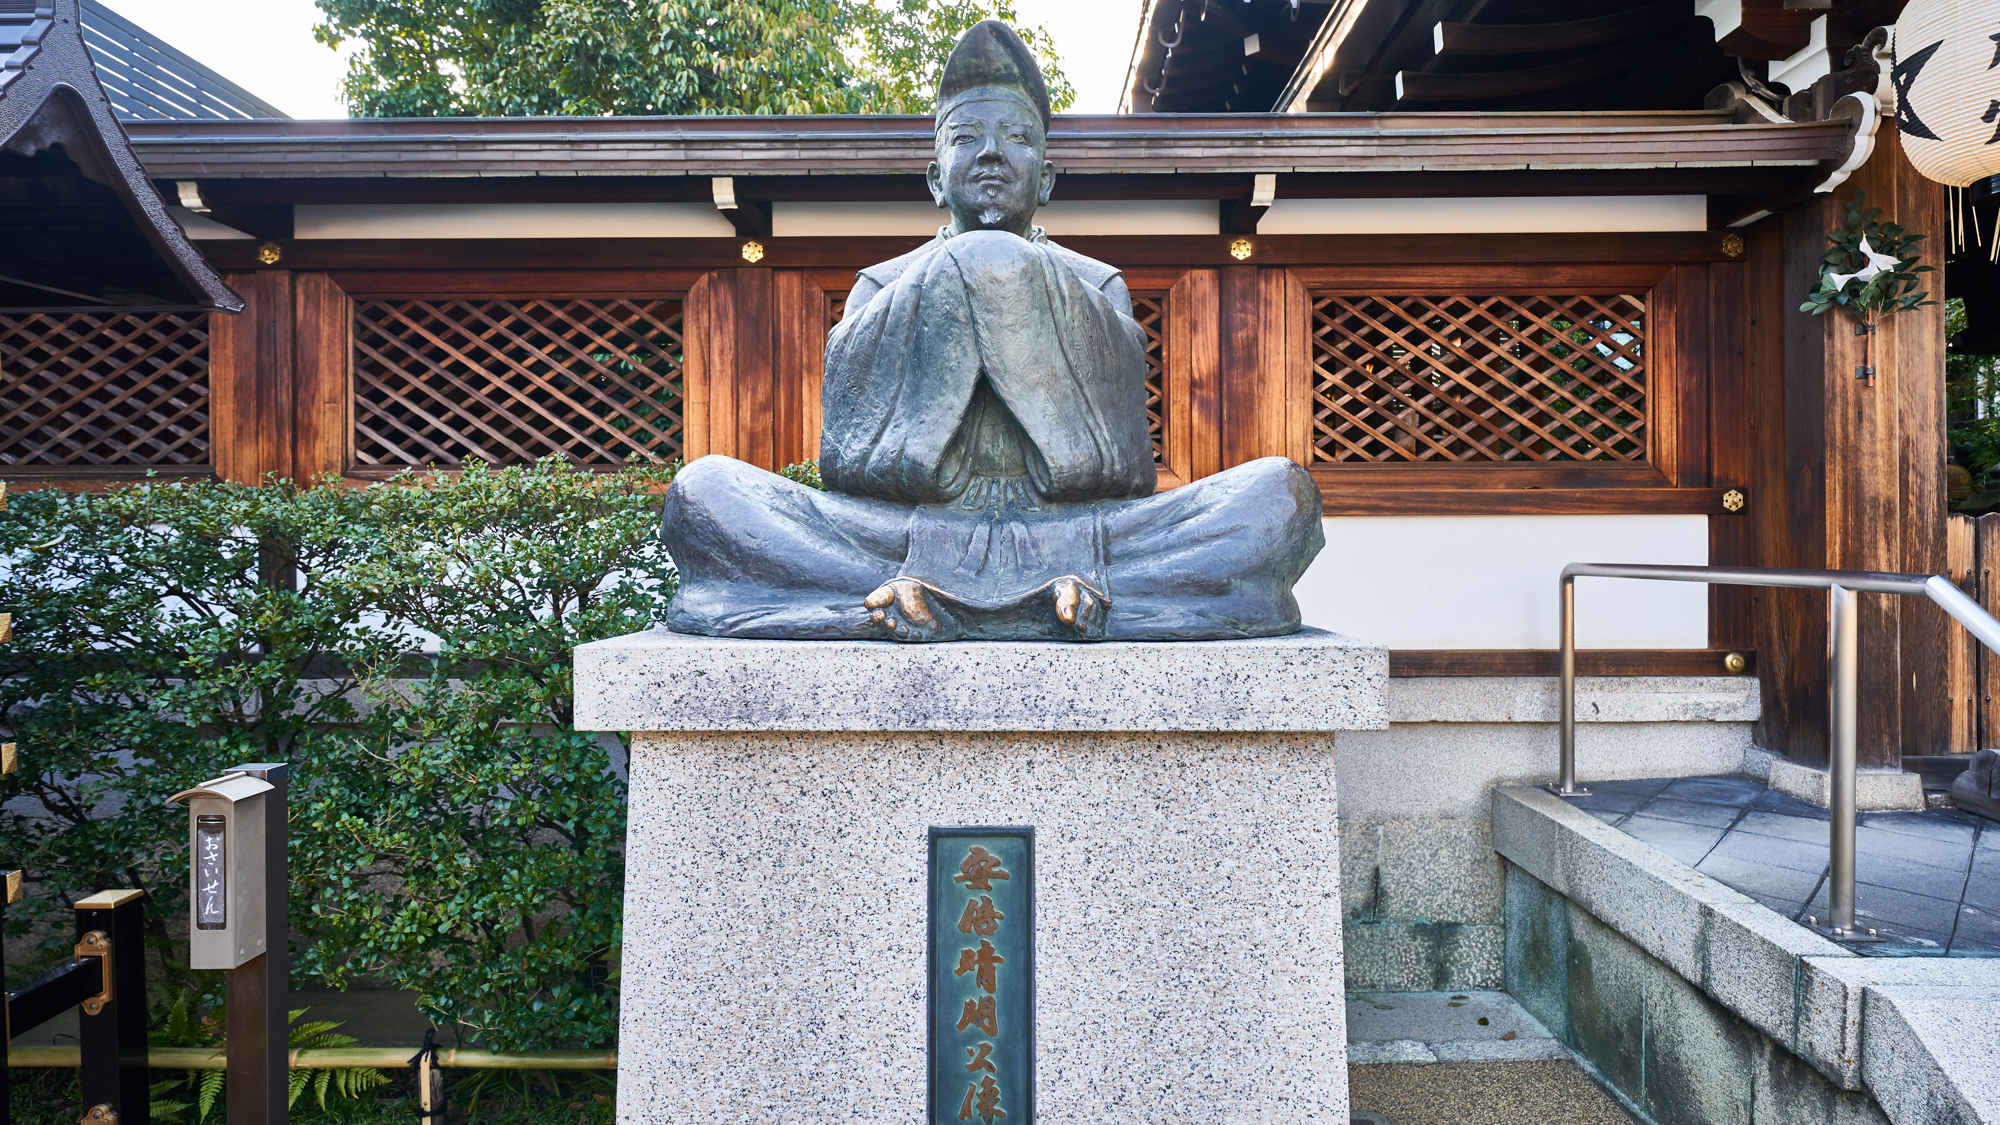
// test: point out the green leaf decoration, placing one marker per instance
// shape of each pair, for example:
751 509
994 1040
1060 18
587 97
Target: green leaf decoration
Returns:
1890 290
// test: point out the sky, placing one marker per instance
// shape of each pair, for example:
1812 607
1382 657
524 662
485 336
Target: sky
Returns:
266 46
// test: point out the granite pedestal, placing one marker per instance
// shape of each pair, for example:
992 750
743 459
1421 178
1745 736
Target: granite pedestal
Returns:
1188 913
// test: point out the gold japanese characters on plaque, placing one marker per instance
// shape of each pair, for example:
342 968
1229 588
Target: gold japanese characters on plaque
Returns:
982 941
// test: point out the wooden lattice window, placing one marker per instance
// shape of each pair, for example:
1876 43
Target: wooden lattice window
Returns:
91 389
445 382
1150 310
1409 378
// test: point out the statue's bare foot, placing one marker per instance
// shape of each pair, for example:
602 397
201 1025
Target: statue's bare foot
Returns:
902 609
1081 608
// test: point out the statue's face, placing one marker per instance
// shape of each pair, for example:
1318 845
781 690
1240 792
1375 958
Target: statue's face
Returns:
990 169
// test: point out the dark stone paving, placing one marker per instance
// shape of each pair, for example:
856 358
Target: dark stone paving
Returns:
1929 882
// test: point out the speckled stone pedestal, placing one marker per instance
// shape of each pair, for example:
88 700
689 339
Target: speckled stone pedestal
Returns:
1188 905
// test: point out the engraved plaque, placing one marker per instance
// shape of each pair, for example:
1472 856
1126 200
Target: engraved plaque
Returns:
982 975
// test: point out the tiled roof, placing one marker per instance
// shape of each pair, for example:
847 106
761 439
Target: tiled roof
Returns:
151 81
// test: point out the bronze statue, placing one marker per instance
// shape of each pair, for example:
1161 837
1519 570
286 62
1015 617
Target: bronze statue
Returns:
985 445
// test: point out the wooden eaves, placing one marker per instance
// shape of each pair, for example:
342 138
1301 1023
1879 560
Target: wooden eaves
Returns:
826 147
250 172
81 229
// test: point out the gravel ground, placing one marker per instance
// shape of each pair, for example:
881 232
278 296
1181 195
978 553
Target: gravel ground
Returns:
1553 1092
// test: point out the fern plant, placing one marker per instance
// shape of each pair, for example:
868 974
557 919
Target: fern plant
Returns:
343 1082
182 1028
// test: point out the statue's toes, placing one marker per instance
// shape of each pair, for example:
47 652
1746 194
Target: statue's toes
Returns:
1093 613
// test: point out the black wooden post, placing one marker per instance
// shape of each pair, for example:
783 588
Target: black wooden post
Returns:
112 1029
10 893
260 989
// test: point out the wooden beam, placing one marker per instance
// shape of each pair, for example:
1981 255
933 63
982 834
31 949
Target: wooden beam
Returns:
474 255
750 217
1417 87
1254 364
1571 35
1770 30
1770 491
1382 500
1411 663
264 220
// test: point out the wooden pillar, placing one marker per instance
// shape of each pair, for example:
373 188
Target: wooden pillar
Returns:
799 325
731 368
250 380
1912 346
1863 487
1731 438
709 372
755 369
1194 378
322 345
1262 356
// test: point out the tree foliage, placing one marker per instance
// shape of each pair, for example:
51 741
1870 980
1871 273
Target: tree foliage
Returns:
499 58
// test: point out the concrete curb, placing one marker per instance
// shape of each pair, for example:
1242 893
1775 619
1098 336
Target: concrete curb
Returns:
1931 1057
1803 991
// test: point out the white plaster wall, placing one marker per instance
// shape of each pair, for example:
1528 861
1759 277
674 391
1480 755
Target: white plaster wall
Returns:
1072 217
1131 216
1528 214
510 220
1484 582
855 220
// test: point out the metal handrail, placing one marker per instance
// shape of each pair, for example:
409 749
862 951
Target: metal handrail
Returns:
1843 658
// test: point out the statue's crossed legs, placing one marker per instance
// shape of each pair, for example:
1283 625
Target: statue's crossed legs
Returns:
762 556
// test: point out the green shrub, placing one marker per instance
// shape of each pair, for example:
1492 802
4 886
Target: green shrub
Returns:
153 647
452 832
466 840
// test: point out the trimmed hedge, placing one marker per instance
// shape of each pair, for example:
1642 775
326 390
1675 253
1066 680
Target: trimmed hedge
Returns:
406 647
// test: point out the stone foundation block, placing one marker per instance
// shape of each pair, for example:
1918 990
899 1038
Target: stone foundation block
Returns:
1422 956
1874 790
1187 914
1441 870
1187 922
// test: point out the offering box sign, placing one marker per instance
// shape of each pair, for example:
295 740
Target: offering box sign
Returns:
982 975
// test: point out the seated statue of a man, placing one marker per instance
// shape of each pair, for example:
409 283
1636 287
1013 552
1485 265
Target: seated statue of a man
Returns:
985 449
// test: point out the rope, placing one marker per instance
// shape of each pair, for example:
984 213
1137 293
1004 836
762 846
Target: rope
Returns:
425 1060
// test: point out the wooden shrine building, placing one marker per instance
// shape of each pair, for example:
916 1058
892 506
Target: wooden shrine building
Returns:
1518 281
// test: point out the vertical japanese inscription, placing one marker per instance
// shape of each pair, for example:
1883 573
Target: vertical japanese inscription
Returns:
982 962
211 872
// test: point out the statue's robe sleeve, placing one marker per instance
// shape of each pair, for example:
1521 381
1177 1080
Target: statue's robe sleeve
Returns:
1037 324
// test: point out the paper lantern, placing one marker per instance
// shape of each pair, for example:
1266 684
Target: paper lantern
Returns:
1947 79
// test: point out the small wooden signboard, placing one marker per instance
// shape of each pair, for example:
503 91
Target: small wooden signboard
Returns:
982 975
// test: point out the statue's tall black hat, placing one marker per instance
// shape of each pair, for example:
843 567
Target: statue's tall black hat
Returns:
990 59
